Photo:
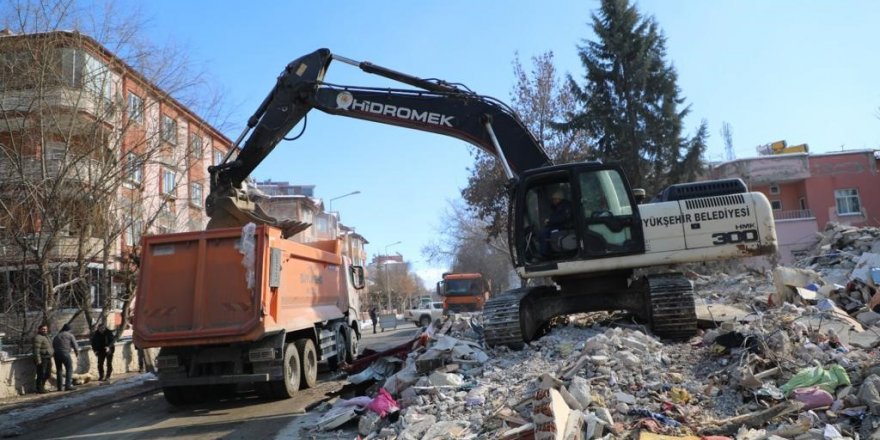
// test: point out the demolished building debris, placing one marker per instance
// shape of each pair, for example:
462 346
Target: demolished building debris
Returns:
793 356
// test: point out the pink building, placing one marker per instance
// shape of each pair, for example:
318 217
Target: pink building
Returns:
808 191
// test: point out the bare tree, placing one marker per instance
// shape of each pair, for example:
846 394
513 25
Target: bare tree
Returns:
76 155
465 247
541 99
392 283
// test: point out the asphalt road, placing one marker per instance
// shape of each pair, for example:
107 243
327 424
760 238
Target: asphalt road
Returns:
142 413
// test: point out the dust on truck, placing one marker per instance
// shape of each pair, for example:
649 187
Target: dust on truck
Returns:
463 292
237 306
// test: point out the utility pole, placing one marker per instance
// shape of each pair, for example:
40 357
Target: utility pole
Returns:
385 269
330 202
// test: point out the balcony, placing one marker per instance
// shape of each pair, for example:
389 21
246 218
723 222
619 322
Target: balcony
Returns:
66 249
795 215
796 232
84 171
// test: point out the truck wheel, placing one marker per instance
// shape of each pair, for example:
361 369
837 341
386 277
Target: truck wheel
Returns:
175 395
425 321
352 340
341 349
309 357
288 387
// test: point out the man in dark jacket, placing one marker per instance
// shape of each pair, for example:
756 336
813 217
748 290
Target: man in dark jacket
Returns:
374 318
64 343
103 346
559 218
42 357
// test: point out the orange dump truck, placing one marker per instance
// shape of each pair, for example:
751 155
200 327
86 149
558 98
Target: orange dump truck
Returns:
244 306
463 292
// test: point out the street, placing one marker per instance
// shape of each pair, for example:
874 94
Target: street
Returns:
244 416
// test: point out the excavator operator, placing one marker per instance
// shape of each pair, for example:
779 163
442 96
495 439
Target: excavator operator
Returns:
560 216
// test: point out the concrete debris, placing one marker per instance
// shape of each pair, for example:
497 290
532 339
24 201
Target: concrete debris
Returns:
789 353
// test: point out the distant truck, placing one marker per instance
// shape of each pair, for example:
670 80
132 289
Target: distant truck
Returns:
463 292
425 313
239 305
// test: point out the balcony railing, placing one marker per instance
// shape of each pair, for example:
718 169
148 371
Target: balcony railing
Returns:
795 215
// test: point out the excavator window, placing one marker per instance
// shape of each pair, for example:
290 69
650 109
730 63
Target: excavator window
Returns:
607 211
598 220
550 222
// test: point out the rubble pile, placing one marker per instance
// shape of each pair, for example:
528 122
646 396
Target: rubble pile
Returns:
848 259
797 359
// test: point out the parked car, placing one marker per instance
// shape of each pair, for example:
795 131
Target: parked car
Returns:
425 314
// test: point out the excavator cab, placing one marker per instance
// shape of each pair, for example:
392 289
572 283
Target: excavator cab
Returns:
573 212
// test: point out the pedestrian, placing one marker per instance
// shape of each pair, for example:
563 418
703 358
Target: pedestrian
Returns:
103 344
375 318
42 357
63 344
140 353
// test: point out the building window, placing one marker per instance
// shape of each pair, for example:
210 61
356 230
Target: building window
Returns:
135 108
167 182
847 201
774 189
134 172
195 194
776 204
169 130
56 152
195 146
133 233
218 157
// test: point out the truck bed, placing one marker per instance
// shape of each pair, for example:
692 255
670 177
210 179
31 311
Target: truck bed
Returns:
194 287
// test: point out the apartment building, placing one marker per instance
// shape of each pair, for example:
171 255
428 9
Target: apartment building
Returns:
95 154
298 202
807 191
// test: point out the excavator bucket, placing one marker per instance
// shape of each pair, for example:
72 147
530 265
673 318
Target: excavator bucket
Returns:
229 212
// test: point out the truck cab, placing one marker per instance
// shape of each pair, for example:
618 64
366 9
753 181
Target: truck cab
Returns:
463 292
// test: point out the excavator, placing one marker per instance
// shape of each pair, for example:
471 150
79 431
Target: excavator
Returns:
609 253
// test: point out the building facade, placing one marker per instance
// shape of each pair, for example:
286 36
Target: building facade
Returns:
807 191
283 200
95 155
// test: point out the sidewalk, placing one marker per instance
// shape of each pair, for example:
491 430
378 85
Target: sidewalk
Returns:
20 412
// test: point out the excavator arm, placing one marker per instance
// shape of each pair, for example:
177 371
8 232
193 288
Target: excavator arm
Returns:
435 106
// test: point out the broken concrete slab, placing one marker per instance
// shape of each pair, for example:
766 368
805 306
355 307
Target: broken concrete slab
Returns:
712 315
550 414
866 263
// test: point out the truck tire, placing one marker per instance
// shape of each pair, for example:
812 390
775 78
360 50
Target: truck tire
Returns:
352 343
309 361
175 395
341 349
425 321
292 368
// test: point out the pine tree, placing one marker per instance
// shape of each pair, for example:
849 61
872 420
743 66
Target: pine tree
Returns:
631 103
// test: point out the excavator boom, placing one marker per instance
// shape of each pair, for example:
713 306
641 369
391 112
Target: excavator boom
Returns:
438 107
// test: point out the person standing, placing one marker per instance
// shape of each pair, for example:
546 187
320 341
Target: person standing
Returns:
63 344
103 344
42 357
374 318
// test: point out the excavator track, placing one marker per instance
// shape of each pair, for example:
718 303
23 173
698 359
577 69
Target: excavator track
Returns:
673 312
501 319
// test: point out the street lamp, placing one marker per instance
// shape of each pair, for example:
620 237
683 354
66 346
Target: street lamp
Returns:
330 202
385 267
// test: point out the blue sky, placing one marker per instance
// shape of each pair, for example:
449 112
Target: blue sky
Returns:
803 71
